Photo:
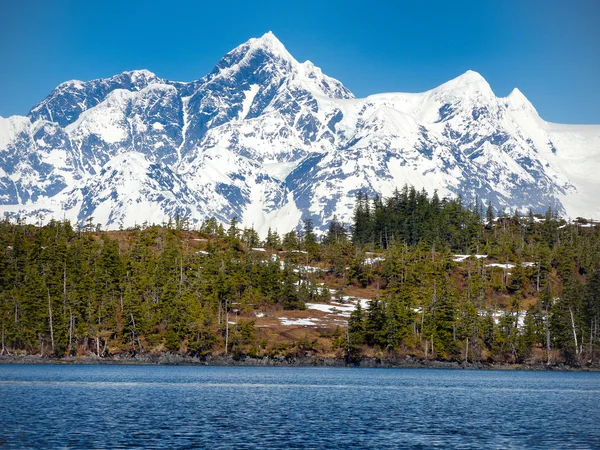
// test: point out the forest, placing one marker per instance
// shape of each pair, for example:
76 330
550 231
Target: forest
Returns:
412 275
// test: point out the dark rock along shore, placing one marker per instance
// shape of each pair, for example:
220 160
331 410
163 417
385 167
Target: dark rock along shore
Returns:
222 360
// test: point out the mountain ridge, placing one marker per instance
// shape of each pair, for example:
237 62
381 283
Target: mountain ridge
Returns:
273 141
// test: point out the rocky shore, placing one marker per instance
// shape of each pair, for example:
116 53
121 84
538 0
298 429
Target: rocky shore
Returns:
223 360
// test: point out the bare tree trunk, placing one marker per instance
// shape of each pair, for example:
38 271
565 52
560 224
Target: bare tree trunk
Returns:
595 333
422 323
226 328
574 332
591 338
467 350
136 336
469 282
347 340
483 285
50 319
180 273
547 325
4 349
64 290
70 329
219 316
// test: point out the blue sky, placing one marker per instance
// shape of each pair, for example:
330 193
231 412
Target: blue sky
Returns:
549 49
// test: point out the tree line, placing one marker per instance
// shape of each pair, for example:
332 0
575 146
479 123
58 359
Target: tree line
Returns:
527 287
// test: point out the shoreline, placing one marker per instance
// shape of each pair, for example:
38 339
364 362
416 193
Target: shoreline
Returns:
245 361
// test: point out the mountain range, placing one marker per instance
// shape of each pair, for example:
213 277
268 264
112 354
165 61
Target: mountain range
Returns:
273 141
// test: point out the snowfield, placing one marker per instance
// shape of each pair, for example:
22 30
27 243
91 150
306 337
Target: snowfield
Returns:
273 141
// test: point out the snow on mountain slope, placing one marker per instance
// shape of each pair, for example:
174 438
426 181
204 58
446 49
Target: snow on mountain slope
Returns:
36 160
130 189
70 99
272 141
574 154
457 138
147 121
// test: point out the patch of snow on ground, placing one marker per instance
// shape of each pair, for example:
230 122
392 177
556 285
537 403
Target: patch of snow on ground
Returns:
371 261
320 307
499 314
298 322
461 258
502 266
307 269
330 308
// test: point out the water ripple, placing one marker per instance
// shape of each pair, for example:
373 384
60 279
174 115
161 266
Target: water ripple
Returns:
237 407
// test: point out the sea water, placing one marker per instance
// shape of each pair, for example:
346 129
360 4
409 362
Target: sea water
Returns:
116 406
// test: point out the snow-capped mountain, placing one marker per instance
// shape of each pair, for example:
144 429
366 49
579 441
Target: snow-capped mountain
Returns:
272 141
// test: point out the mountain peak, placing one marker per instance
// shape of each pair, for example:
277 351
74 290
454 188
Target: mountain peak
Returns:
69 99
472 79
266 57
469 83
254 53
268 41
471 76
140 74
517 101
270 45
517 97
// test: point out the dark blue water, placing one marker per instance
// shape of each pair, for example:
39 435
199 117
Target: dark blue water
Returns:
255 407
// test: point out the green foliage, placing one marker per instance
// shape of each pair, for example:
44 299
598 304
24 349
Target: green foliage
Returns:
81 291
412 217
